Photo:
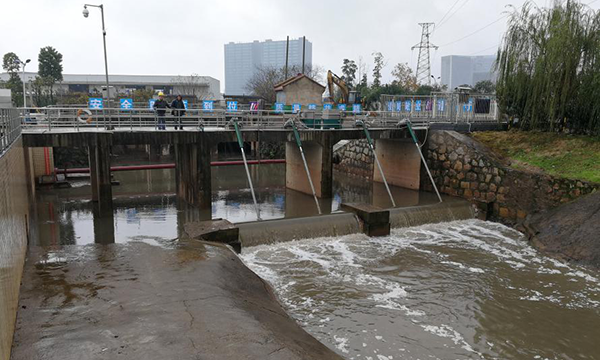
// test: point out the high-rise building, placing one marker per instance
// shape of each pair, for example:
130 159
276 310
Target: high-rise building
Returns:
467 70
242 60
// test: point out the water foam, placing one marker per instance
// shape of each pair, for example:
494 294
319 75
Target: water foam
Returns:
318 277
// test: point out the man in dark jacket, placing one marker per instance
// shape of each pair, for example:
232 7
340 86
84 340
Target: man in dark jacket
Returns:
160 107
180 106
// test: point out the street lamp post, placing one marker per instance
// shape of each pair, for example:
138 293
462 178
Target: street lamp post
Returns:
23 79
86 14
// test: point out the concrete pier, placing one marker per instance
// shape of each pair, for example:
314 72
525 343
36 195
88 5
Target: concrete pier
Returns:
319 156
400 161
193 173
99 160
193 154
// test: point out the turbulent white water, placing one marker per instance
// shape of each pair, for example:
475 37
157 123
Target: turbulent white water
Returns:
461 290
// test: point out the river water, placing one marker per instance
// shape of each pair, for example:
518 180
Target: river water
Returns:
460 290
145 206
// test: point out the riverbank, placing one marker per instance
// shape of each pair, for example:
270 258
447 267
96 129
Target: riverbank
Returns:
180 300
569 232
569 156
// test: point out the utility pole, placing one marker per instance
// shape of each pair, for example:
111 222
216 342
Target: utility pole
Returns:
303 52
424 63
287 55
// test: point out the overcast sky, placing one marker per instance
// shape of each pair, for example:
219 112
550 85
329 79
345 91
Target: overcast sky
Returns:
185 37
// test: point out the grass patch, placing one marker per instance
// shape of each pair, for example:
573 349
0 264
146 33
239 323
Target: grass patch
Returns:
570 156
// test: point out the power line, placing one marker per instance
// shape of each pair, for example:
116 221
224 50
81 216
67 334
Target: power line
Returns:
486 49
448 12
454 13
475 32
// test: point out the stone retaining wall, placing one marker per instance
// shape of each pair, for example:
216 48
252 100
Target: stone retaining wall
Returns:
354 158
461 166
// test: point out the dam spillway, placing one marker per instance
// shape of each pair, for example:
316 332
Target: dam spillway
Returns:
459 290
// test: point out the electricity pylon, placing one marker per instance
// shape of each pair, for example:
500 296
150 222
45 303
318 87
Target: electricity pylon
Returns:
424 63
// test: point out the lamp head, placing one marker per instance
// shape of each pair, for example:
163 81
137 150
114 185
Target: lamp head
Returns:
27 61
86 12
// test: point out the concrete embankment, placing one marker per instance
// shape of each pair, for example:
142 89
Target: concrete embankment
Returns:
187 300
570 232
14 231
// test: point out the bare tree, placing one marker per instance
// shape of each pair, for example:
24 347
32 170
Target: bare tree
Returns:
404 77
193 85
263 82
380 63
362 72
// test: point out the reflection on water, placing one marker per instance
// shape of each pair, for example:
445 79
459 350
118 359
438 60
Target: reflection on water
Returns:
461 290
145 205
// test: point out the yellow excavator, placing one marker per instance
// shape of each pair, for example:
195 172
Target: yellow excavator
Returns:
334 79
348 97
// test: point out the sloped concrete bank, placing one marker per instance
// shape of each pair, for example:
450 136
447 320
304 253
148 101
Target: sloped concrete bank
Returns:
570 232
189 300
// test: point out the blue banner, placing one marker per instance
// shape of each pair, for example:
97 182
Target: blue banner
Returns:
327 107
312 106
418 105
296 108
185 104
356 108
279 107
126 104
208 105
390 106
407 105
398 106
151 103
441 105
96 103
342 107
232 106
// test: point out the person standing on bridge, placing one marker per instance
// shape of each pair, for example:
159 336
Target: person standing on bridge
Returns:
180 106
160 107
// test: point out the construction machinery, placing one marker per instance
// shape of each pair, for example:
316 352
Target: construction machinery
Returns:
348 97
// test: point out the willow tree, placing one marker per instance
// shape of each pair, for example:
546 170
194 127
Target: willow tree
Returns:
549 67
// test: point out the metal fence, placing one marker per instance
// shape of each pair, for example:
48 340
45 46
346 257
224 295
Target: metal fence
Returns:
421 114
10 128
53 118
442 107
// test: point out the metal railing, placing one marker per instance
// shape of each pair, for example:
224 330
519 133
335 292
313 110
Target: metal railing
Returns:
10 128
443 107
81 119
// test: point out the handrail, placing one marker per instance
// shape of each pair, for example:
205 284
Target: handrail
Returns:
10 128
78 118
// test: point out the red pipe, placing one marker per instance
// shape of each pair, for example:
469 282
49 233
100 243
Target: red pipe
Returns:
166 166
